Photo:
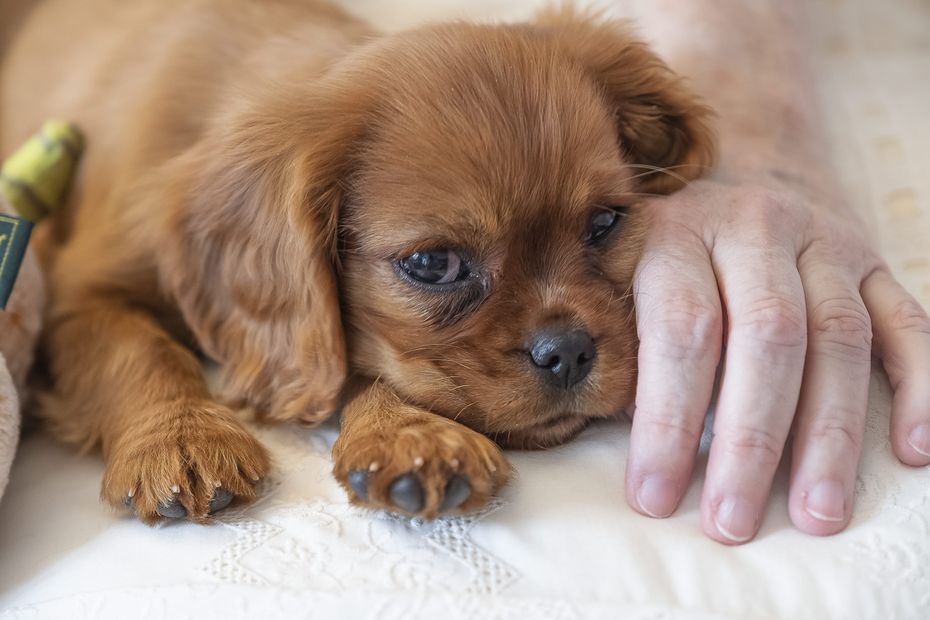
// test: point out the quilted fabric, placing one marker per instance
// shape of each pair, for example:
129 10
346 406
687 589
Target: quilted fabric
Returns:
561 542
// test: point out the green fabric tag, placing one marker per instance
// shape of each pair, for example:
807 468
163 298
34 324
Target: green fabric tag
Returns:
14 237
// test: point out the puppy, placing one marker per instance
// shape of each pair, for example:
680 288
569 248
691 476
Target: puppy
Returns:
447 217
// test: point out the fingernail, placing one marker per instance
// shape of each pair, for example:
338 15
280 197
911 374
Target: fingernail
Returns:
736 519
826 501
920 439
657 496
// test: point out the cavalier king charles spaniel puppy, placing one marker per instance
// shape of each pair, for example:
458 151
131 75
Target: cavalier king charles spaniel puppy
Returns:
433 232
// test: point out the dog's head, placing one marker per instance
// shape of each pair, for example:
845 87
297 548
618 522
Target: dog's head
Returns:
475 192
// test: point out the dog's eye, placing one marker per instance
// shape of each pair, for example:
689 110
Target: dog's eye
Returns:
435 267
601 223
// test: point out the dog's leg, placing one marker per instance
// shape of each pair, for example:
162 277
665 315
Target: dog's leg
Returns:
122 382
402 458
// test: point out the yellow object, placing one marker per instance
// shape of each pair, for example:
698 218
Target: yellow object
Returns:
34 181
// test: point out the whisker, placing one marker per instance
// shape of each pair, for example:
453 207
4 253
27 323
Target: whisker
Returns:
657 169
455 418
425 347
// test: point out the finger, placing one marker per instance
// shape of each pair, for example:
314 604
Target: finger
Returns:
679 326
764 363
902 331
830 420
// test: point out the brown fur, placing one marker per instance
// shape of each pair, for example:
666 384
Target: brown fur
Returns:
254 169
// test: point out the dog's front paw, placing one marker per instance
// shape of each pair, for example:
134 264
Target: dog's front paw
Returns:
185 459
425 467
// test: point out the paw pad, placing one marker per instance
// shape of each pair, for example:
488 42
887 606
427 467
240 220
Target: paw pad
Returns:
406 493
358 480
174 509
221 499
171 510
458 490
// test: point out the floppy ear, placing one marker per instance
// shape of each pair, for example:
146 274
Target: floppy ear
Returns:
660 123
250 248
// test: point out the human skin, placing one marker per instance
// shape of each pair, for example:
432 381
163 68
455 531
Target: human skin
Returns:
763 267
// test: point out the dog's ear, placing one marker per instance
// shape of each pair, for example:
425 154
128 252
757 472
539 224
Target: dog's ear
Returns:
660 123
250 246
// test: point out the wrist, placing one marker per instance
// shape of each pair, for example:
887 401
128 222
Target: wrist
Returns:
776 142
758 163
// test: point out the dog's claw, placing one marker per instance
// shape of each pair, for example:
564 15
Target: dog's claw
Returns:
358 480
221 499
172 509
458 489
406 493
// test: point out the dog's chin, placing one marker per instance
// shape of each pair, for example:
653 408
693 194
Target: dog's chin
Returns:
548 433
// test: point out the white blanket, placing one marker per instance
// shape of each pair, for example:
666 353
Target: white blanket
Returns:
561 542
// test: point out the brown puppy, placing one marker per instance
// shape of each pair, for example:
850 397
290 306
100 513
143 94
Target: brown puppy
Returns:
450 214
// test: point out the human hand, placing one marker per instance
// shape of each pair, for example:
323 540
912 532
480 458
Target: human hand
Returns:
796 292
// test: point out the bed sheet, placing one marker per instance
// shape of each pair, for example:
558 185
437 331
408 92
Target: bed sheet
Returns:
560 542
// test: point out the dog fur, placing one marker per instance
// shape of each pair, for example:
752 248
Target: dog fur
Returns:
255 170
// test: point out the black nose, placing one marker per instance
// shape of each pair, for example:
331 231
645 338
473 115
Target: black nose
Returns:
563 357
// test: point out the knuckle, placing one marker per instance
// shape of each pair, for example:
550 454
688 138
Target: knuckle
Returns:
684 327
770 209
908 315
842 327
775 320
837 429
675 428
761 444
765 201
